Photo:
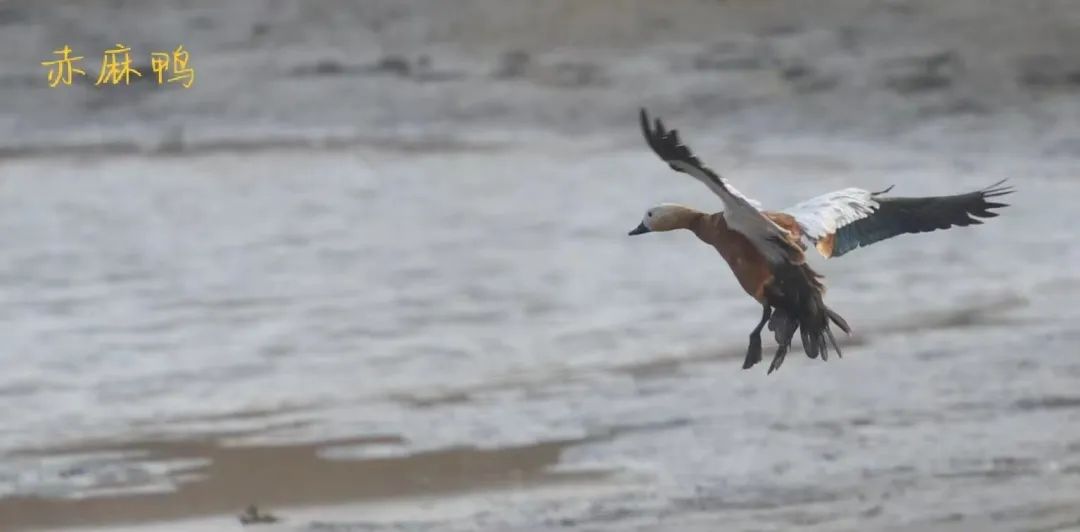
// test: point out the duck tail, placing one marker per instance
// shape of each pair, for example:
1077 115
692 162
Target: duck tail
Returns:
838 320
796 293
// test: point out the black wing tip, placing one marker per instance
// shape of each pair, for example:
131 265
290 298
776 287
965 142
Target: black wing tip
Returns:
653 127
661 131
984 207
666 144
655 134
883 191
997 189
663 141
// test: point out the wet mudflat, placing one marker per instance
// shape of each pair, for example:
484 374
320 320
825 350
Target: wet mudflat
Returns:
331 353
423 313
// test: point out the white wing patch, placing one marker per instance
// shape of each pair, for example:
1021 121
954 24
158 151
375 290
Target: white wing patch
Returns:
822 215
728 193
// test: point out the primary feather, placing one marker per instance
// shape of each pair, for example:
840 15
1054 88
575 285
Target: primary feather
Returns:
852 218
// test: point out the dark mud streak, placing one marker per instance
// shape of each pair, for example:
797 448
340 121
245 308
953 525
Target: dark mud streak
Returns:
1000 468
432 401
972 316
988 474
759 499
1047 403
239 415
169 148
654 369
656 426
163 447
901 471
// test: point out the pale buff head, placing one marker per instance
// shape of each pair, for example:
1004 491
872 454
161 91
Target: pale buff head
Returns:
665 217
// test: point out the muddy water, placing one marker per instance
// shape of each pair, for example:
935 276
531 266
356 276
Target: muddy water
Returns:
183 332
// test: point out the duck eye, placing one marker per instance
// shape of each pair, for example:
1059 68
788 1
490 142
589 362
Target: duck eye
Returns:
649 215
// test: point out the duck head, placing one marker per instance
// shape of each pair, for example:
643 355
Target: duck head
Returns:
665 217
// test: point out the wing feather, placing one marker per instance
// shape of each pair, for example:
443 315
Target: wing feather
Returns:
823 215
741 213
852 218
667 144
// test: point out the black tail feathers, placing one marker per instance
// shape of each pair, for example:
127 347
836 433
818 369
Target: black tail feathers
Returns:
796 295
838 320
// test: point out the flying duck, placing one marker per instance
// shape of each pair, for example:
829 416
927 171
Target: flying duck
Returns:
765 249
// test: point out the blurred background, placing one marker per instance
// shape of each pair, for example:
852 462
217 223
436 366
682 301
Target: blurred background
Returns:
371 272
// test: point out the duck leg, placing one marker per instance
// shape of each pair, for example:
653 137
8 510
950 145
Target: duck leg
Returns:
753 353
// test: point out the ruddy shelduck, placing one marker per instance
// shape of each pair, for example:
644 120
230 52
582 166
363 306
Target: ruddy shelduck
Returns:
765 248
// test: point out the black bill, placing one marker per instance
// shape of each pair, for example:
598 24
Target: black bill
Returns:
640 229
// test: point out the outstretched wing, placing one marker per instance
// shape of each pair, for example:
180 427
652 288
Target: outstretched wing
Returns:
667 145
741 213
841 221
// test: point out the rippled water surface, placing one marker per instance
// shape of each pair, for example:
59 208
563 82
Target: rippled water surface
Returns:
408 303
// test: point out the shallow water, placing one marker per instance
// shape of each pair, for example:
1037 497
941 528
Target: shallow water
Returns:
376 299
491 300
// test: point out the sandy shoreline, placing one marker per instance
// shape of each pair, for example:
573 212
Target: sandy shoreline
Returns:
275 476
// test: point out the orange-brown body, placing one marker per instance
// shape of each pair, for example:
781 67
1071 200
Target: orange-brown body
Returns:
747 263
789 291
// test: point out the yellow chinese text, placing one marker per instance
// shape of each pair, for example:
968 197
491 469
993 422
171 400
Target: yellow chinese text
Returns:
116 66
61 70
162 62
